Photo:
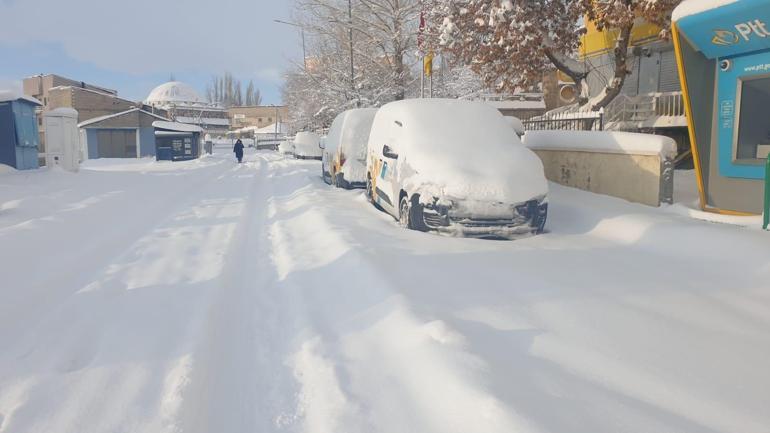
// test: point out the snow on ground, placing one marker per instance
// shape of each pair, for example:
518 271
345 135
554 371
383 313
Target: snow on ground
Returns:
210 296
687 203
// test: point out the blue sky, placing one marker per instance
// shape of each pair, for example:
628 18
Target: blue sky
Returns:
133 46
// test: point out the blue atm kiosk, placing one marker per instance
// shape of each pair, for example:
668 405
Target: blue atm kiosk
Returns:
723 54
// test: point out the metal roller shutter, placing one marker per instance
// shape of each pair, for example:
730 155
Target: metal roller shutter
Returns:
669 75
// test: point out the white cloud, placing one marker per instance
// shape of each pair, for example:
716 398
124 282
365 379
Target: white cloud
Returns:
10 84
152 36
270 75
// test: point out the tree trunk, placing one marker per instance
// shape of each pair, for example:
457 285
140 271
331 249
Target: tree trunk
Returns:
621 69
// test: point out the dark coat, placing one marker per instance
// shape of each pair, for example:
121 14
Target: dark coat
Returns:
238 148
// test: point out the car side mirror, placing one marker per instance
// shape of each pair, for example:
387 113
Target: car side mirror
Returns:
322 145
387 152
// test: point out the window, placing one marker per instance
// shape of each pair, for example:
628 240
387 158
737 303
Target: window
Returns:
753 128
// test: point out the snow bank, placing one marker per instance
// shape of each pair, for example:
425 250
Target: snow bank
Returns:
7 169
461 149
603 142
693 7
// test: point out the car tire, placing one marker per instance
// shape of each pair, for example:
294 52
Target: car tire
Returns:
410 214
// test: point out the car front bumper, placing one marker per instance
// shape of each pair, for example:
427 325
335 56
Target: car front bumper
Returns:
523 219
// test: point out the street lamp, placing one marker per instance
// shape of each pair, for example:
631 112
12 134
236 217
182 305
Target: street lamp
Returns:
302 30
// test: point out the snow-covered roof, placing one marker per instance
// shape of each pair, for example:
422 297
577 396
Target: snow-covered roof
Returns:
176 126
270 129
692 7
110 116
204 120
173 92
15 95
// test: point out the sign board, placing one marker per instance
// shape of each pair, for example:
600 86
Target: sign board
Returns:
740 27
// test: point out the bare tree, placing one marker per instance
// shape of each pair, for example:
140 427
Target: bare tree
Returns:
511 43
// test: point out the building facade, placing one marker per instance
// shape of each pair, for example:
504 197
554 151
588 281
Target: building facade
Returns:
90 101
128 134
257 116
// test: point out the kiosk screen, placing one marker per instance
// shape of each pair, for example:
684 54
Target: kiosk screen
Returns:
754 120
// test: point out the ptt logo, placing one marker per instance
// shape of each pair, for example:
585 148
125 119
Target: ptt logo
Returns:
724 38
747 31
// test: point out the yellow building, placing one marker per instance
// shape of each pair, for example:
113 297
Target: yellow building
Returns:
651 60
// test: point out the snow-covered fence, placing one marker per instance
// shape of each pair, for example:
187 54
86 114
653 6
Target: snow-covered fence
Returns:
567 121
635 167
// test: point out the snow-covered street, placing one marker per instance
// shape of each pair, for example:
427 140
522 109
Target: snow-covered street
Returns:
207 296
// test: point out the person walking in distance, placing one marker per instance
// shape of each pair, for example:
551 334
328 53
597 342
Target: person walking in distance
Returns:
238 149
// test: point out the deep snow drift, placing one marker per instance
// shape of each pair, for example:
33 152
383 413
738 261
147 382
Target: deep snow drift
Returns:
206 296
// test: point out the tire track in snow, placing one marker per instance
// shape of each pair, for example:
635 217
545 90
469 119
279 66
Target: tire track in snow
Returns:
239 381
366 361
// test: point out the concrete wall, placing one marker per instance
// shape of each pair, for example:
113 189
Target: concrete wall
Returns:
645 179
89 104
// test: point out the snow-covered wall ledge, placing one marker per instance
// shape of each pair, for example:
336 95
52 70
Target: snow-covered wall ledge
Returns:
635 167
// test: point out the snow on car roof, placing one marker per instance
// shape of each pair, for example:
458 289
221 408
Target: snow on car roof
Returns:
693 7
355 129
463 148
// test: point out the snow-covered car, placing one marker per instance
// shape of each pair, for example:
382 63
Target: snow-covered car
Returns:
344 159
455 167
325 161
286 147
307 145
517 125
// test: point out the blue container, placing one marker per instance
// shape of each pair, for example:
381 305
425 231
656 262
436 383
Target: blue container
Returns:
19 135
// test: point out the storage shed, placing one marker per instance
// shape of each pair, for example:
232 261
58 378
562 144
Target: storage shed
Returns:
128 134
723 53
177 141
19 136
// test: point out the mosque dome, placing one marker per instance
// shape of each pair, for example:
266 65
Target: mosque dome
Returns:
173 92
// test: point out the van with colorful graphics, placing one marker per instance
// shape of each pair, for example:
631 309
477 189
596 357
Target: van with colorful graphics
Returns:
344 157
454 167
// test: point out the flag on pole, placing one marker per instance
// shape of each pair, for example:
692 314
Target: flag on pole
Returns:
427 64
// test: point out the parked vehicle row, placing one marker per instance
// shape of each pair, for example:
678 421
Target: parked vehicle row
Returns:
443 165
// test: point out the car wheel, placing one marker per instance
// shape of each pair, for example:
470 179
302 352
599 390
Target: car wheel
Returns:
404 217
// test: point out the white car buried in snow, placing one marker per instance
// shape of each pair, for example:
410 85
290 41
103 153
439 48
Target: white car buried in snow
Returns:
307 145
286 147
455 167
344 156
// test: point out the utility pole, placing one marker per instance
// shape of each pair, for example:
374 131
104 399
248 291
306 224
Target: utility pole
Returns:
350 37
